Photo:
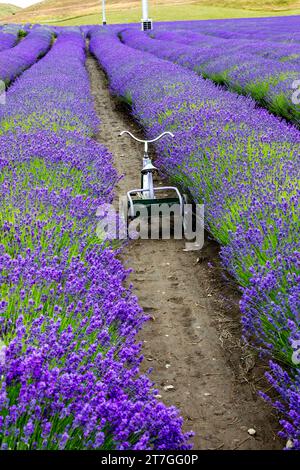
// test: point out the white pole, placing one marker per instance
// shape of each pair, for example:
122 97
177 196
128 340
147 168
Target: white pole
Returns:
103 12
145 10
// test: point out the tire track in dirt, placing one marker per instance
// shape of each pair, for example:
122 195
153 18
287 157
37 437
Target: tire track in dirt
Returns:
192 341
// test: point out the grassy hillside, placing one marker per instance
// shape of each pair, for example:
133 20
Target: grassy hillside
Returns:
72 12
8 10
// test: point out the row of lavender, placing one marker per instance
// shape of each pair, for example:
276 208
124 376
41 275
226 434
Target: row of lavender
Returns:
8 38
279 29
268 71
15 60
266 45
69 362
243 163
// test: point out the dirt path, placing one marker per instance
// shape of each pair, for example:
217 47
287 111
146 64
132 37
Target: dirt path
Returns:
192 341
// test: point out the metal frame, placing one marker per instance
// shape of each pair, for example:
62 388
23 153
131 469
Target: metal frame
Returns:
147 192
149 202
147 24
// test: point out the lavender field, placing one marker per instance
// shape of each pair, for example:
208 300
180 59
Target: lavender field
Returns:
71 365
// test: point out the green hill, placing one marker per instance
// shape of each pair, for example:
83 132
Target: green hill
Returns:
6 9
72 12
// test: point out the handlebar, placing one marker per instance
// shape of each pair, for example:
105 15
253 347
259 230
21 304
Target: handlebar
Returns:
147 141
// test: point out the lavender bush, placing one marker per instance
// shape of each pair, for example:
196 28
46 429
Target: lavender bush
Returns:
264 70
277 29
7 40
69 361
14 61
242 162
288 403
39 100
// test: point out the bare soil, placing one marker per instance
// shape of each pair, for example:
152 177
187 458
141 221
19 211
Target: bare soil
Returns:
192 341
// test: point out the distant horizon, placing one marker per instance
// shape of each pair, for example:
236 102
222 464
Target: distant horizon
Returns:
21 3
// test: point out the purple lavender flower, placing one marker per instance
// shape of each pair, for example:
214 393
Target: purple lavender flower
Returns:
69 363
